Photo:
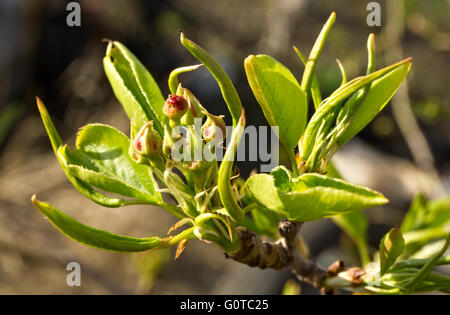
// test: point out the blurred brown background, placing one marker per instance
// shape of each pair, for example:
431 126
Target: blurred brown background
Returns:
40 55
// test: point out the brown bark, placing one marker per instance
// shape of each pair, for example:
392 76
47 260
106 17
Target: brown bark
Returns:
284 253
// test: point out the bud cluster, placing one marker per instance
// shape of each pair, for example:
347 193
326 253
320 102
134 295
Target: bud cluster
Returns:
188 143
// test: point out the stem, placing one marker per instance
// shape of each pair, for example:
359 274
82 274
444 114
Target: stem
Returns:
336 282
306 270
170 241
281 254
285 253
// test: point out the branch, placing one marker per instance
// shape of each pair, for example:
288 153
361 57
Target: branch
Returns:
284 253
306 270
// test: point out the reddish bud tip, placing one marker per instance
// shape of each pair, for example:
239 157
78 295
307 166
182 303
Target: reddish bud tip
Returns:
175 107
146 144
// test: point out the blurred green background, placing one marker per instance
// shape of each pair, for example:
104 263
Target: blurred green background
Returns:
41 56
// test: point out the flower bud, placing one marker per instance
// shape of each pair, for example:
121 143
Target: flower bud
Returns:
195 110
214 127
146 145
175 107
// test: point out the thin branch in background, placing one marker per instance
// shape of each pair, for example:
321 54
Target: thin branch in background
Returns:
401 105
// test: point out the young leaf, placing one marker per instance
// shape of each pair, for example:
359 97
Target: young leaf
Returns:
429 249
381 91
227 88
343 73
391 247
173 77
134 87
351 106
226 192
312 196
315 52
83 187
419 237
316 95
428 268
102 160
331 104
53 134
420 262
265 220
91 236
280 96
205 217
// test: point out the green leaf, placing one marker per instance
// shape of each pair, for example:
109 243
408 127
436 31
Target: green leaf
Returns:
53 134
312 196
134 87
102 160
346 115
315 52
391 247
227 88
265 220
226 192
280 96
316 132
82 187
91 236
343 73
420 262
381 91
429 249
419 237
316 95
173 77
428 268
425 221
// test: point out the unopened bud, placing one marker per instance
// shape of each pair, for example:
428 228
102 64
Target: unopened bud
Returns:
195 110
175 107
146 145
214 127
